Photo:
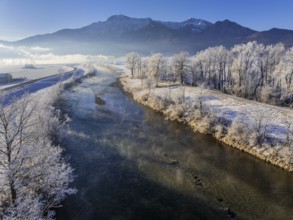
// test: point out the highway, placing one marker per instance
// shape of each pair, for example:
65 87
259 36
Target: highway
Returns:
38 85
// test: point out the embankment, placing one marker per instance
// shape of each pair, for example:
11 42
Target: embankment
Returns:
261 130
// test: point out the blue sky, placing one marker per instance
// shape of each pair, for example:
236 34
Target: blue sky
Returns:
22 18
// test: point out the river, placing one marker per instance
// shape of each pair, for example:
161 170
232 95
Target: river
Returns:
132 164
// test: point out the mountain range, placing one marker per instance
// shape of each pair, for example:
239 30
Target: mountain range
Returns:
120 34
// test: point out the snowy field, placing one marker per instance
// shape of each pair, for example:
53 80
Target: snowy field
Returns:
32 74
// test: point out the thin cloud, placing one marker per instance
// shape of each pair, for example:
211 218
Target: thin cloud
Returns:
40 49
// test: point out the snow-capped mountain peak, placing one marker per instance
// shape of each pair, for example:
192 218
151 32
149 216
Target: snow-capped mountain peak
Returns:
196 25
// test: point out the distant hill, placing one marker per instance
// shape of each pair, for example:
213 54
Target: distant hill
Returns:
120 34
273 36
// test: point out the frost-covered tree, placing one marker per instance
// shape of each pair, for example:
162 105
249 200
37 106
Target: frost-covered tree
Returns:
241 66
143 67
212 67
132 60
201 67
246 70
284 76
155 67
32 170
274 54
220 59
253 67
180 65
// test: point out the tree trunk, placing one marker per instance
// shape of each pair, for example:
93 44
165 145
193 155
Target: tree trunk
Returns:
12 192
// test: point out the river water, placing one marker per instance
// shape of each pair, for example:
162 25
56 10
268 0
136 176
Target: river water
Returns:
132 164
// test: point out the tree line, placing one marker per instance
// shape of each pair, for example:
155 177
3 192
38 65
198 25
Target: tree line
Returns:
252 71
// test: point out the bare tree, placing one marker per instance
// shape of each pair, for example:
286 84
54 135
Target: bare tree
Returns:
149 83
260 125
200 100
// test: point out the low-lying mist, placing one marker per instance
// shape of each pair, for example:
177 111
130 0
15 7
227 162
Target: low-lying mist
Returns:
21 55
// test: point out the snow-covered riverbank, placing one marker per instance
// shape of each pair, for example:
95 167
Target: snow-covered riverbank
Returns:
262 130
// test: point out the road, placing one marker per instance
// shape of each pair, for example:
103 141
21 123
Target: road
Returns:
39 84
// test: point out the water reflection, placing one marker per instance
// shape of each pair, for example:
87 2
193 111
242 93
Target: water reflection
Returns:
132 164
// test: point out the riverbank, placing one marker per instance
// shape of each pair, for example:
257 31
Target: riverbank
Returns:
261 130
